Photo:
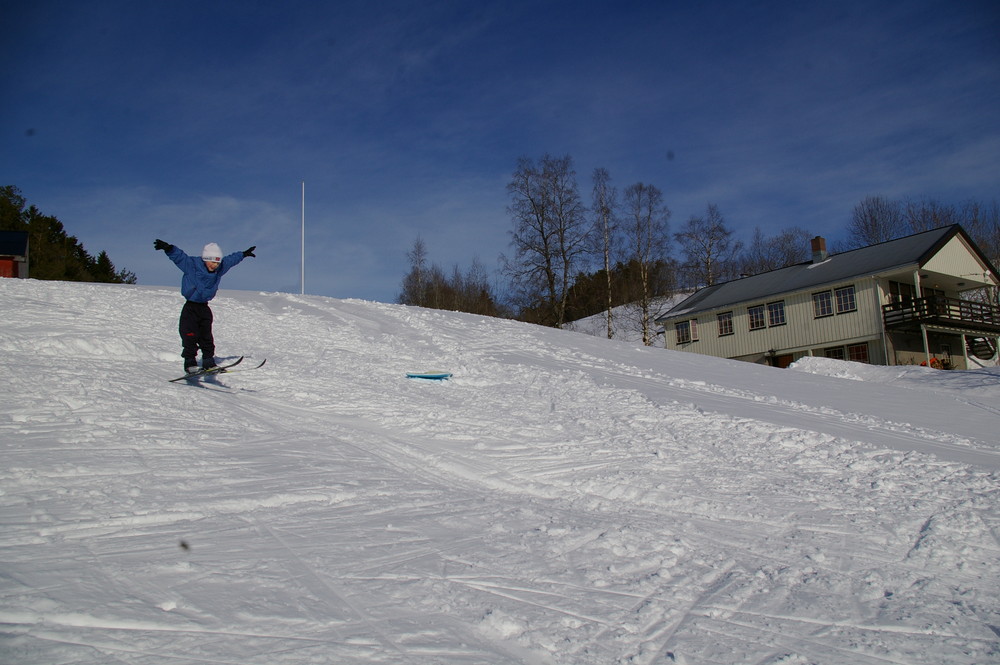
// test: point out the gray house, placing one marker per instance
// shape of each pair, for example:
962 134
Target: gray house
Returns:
928 298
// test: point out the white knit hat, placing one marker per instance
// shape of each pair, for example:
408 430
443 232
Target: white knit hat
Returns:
212 252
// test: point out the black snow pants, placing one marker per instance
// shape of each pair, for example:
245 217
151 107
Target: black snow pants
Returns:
196 333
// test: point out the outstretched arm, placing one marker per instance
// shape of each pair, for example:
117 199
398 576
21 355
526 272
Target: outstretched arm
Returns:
173 253
233 259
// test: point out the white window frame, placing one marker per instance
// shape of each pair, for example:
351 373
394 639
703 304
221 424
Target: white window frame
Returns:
683 331
725 320
776 314
822 304
687 331
858 353
846 299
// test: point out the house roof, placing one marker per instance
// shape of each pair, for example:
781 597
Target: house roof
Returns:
914 250
13 243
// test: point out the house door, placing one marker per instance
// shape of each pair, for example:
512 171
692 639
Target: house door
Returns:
783 361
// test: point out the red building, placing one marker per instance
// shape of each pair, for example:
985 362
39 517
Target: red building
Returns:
14 254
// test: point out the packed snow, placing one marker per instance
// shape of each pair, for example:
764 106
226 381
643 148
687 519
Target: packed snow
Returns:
562 499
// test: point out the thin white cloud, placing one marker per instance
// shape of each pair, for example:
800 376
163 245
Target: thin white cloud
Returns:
409 118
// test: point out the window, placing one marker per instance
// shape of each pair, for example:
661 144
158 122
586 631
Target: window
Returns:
901 293
761 316
858 353
823 304
683 329
855 352
776 313
725 323
687 331
935 302
846 302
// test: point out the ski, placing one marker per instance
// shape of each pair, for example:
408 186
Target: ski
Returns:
218 369
242 369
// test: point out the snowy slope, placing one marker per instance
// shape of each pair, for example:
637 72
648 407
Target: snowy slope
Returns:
563 499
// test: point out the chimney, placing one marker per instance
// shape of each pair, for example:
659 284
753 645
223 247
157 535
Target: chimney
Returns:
819 249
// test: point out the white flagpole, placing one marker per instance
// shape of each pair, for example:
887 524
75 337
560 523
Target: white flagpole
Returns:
302 277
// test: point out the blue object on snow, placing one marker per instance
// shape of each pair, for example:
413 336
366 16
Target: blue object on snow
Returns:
434 376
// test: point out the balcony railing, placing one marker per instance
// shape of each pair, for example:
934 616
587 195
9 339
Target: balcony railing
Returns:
938 310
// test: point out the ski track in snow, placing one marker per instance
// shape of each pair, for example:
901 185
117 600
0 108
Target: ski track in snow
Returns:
562 499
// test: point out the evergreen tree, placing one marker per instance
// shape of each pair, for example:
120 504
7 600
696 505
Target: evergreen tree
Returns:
52 252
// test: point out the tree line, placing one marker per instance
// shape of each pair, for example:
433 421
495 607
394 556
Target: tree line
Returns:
52 252
427 285
570 260
878 219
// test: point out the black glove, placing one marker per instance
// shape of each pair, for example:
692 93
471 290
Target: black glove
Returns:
165 246
249 252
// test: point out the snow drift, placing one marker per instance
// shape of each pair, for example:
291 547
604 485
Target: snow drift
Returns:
561 499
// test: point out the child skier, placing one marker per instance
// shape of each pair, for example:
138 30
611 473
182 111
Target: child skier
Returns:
199 285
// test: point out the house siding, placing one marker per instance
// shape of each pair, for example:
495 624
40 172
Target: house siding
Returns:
802 332
956 258
931 268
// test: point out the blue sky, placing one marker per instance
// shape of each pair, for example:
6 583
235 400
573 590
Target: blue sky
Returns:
198 121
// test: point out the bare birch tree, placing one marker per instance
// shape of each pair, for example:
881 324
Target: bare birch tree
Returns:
415 282
605 217
549 235
765 253
874 220
926 214
646 238
709 249
982 222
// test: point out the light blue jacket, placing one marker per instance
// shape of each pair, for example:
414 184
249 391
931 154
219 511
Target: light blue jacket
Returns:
198 284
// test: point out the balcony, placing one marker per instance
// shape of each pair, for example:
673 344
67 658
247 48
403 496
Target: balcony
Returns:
966 315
